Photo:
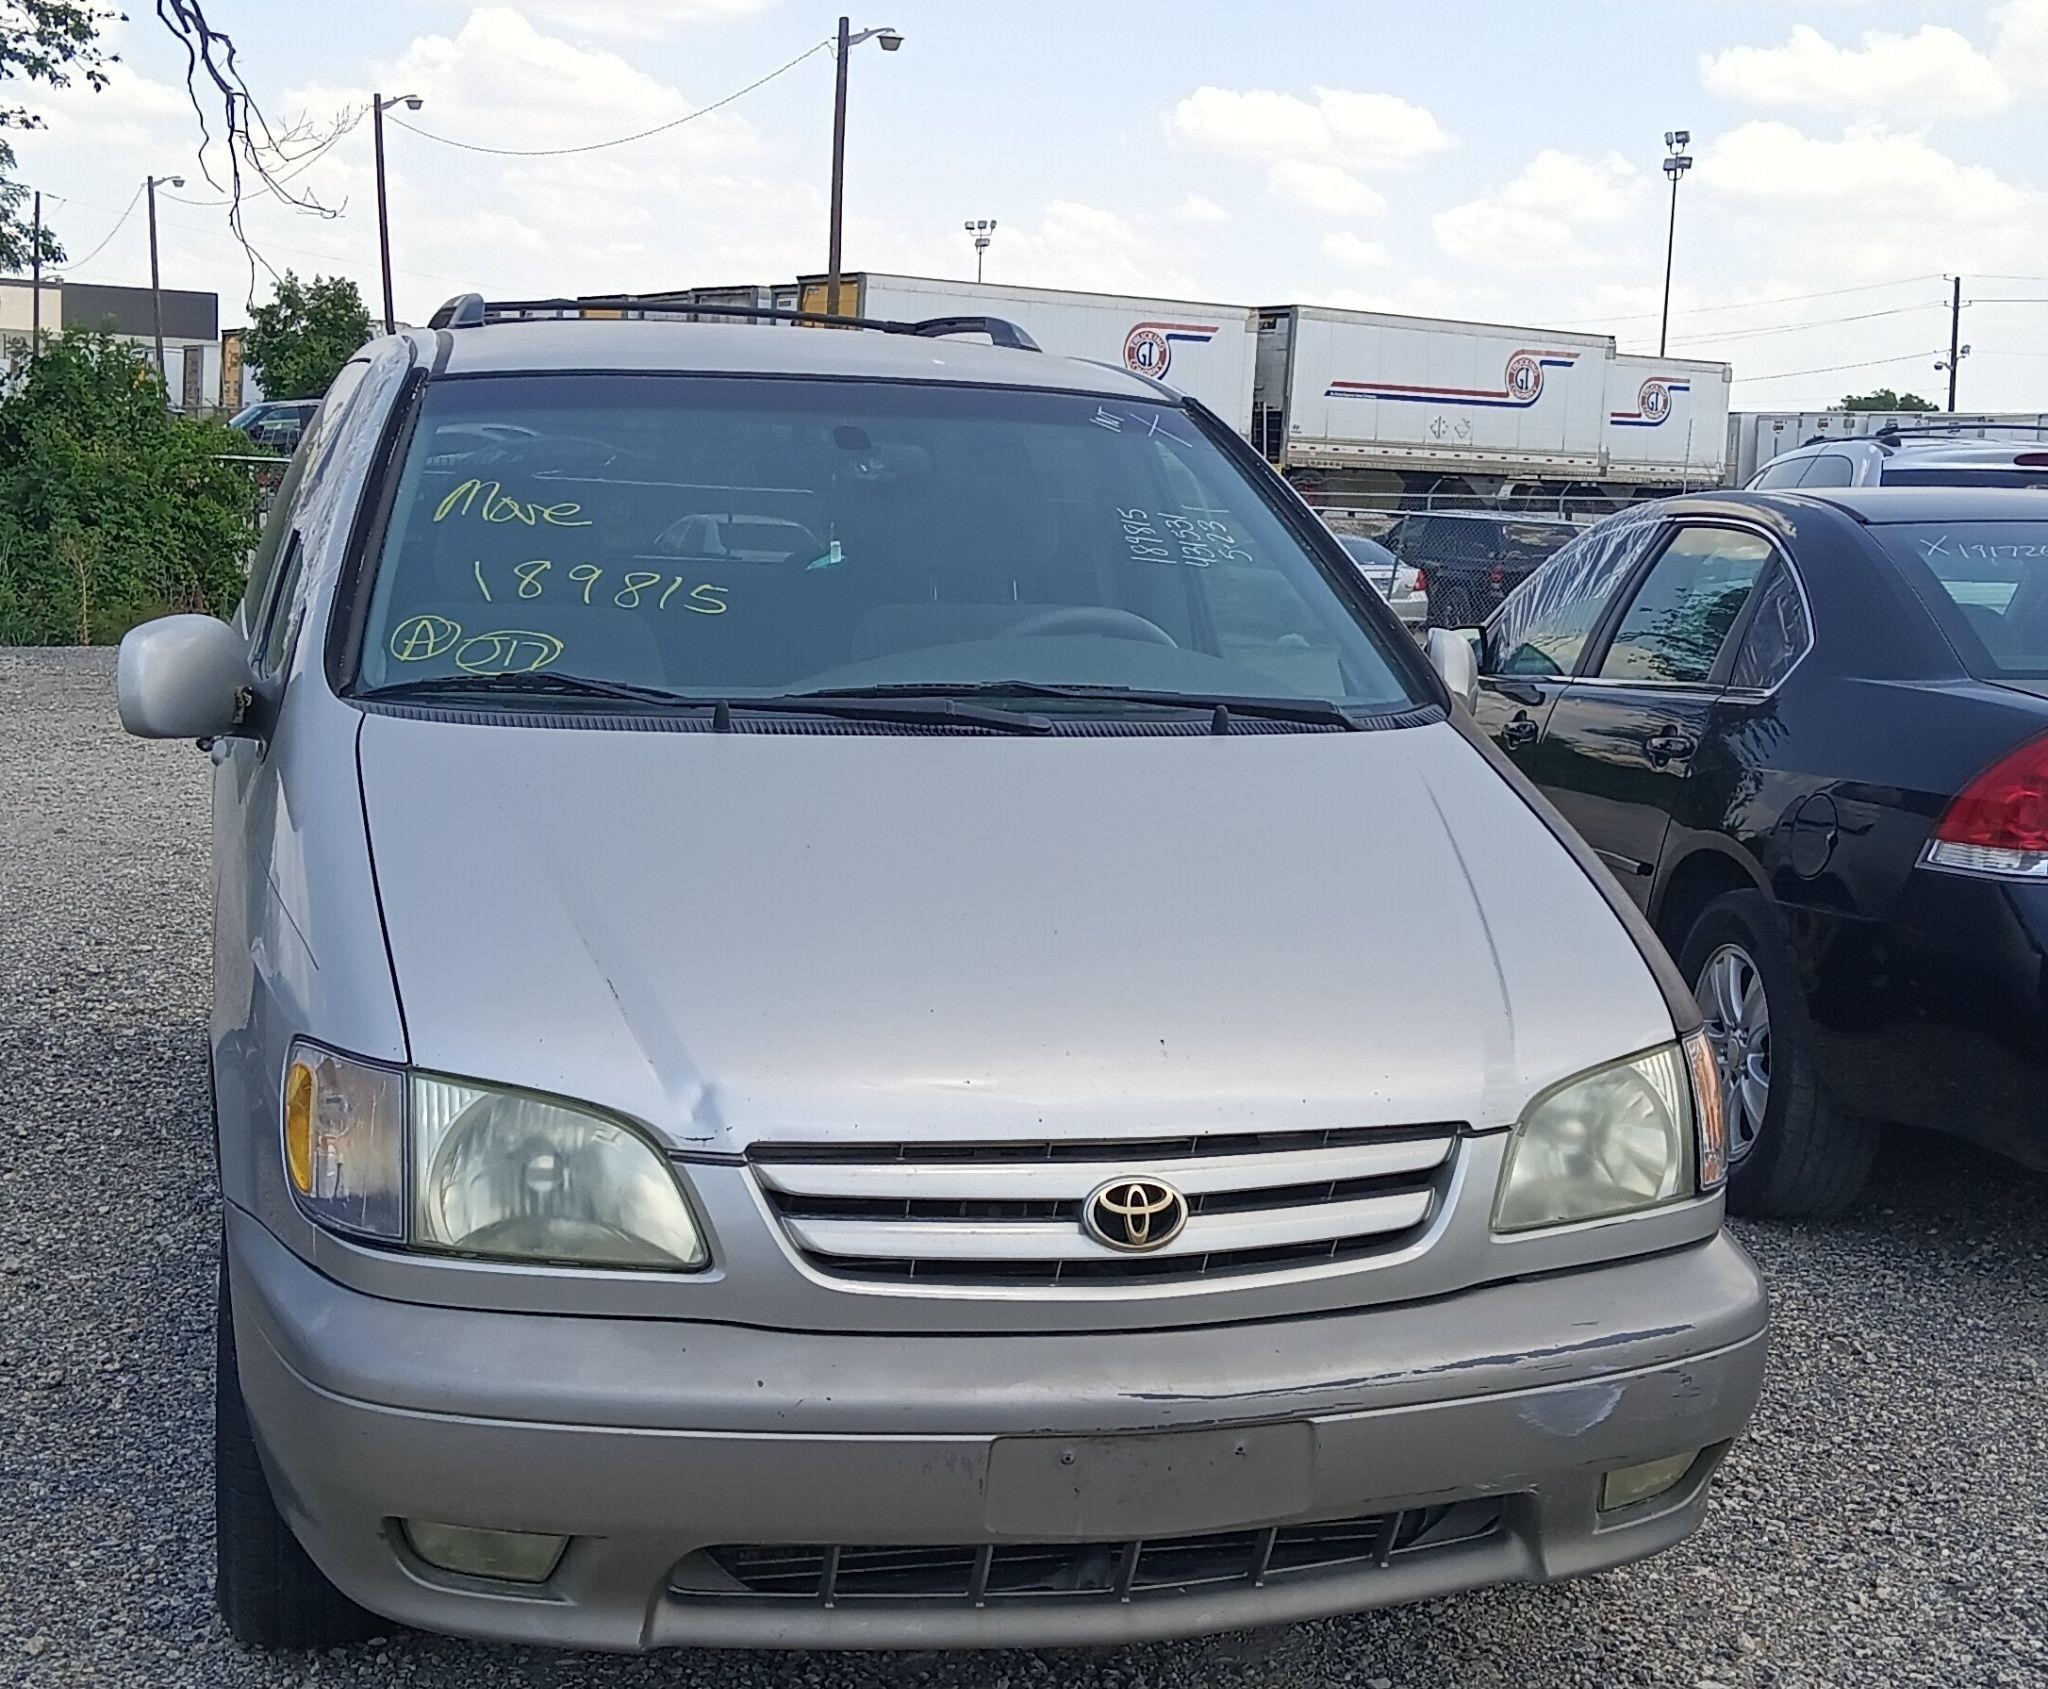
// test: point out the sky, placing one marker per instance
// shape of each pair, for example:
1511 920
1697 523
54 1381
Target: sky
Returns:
1490 159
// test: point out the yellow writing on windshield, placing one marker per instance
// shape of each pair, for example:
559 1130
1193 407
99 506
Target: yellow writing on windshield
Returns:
587 583
489 501
507 651
418 638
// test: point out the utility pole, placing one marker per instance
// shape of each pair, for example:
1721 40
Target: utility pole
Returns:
156 292
1676 163
890 41
35 284
1955 338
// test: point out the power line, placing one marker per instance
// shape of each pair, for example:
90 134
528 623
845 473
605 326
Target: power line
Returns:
111 233
617 141
1830 369
1778 299
1794 328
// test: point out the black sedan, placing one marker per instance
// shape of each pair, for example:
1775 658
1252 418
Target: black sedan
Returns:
1808 732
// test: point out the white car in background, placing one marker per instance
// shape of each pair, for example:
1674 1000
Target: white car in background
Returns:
1933 456
1406 589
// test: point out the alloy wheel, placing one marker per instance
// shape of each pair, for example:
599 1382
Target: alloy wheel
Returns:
1738 1027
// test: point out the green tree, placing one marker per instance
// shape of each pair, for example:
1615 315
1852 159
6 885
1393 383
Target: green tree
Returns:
298 342
1884 399
40 41
112 510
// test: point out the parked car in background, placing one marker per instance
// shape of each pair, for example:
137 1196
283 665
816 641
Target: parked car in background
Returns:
1910 457
277 423
1808 732
1404 587
787 1079
1469 559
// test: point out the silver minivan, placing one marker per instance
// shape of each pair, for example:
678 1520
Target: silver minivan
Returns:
864 997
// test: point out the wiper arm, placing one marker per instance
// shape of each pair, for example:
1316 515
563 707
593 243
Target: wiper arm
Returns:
913 708
551 682
1322 712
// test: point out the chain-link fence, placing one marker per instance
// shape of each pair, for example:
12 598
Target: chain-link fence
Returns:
1471 560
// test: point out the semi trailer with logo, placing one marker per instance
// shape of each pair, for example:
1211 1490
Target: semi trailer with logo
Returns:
1202 350
1667 422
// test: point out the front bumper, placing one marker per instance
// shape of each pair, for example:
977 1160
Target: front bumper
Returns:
649 1442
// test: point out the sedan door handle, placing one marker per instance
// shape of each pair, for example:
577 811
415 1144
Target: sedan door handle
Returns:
1669 747
1518 732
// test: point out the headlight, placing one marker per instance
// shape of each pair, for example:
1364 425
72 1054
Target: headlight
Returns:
1608 1142
517 1177
498 1174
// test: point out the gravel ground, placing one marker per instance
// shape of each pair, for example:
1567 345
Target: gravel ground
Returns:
1885 1523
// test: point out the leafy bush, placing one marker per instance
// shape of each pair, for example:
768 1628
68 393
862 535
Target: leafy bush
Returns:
112 510
298 342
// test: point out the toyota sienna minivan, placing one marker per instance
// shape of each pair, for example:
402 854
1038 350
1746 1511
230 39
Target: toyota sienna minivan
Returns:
865 998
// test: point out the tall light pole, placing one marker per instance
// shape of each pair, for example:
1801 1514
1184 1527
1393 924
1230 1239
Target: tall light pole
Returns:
379 104
156 292
983 230
890 41
1677 161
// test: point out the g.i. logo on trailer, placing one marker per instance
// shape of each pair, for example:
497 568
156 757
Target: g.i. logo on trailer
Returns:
1148 348
1524 378
1653 403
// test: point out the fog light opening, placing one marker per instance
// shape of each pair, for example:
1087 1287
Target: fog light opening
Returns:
505 1556
1627 1485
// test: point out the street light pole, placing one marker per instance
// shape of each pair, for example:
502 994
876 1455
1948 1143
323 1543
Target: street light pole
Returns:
1676 163
35 283
378 106
983 230
890 41
156 291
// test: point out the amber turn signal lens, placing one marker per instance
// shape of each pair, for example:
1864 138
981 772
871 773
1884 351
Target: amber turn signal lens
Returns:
298 1126
1710 1112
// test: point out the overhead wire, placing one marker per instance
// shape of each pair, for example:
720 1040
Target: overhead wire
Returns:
1795 328
1830 369
1776 299
76 264
619 140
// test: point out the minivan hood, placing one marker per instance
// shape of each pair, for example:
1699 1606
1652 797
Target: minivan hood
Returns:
736 937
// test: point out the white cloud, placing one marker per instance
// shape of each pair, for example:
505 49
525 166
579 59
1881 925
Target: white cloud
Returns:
2020 41
1355 252
1934 70
640 17
1538 219
1355 130
1200 208
1869 176
1327 188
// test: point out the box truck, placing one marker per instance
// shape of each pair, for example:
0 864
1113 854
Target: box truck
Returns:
1203 350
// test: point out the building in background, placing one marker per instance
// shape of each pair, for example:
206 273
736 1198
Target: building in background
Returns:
192 344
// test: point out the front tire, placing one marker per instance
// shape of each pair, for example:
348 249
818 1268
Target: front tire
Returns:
1789 1153
270 1593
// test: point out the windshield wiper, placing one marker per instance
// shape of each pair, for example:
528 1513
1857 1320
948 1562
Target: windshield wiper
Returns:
552 682
1320 712
913 709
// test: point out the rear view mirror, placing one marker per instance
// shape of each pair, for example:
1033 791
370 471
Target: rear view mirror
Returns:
182 677
1452 653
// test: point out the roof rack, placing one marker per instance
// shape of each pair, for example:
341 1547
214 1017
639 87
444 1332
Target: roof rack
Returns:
1950 431
472 310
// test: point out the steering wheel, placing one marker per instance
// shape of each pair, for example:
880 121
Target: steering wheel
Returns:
1104 619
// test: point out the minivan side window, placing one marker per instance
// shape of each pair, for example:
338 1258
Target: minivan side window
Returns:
1830 469
1545 622
1686 607
1786 472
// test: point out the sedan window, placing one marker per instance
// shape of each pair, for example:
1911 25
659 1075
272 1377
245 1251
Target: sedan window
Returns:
1686 607
1779 633
1545 622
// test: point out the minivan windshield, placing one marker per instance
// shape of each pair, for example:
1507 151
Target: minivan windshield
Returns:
1987 583
743 537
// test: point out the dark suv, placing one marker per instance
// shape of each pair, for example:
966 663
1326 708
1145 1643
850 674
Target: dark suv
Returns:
1809 734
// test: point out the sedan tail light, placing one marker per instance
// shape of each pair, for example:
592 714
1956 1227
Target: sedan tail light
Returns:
1998 823
1421 581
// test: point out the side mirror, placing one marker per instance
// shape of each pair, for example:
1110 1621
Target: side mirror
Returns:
1453 653
182 677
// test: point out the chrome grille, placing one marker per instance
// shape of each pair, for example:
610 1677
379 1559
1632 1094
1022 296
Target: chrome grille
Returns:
1010 1213
991 1573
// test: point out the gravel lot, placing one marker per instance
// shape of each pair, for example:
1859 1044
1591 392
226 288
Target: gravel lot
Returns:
1885 1523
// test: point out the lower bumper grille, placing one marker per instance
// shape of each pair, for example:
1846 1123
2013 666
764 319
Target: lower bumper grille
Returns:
1109 1571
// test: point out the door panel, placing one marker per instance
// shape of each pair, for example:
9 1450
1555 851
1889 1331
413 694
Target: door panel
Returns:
1623 739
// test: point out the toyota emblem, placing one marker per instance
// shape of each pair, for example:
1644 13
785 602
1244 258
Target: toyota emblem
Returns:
1135 1215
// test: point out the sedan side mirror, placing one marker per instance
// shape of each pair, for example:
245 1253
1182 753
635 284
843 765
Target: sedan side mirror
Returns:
1453 653
182 677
